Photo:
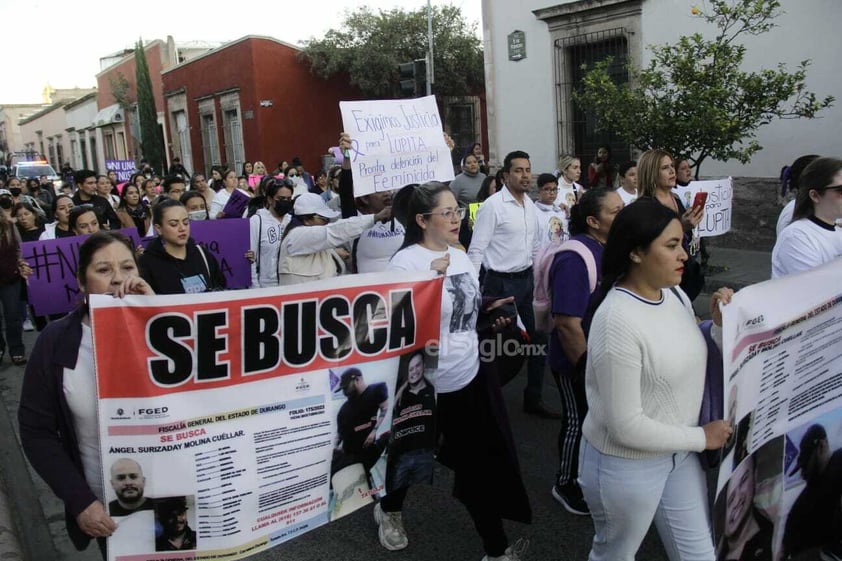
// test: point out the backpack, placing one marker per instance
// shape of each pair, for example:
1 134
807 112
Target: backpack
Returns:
542 293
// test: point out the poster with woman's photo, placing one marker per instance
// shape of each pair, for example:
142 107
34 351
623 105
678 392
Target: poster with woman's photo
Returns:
779 490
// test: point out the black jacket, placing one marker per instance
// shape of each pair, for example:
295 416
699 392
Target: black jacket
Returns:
167 274
104 211
46 423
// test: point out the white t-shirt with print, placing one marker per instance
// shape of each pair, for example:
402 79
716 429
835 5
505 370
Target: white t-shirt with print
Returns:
459 346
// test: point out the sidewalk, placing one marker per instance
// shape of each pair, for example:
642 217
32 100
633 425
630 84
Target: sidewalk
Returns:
736 268
32 519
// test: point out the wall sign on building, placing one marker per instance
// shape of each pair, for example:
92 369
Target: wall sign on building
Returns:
517 45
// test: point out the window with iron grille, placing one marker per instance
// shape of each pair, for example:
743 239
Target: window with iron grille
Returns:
576 129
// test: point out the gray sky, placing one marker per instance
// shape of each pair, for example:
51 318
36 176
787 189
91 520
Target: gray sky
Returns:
60 41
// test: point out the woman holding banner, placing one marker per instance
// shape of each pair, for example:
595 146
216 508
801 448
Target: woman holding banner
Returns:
472 417
59 429
644 382
173 263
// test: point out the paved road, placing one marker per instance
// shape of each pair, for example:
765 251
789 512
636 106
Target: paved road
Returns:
438 526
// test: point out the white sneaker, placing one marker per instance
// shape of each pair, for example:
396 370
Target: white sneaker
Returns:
513 552
390 529
27 325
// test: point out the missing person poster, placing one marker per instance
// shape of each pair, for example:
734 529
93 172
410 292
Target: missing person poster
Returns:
231 422
779 490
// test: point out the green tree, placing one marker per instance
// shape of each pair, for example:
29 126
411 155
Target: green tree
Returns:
151 142
694 99
121 90
369 47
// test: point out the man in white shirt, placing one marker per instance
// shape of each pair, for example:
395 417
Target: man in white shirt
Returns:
505 240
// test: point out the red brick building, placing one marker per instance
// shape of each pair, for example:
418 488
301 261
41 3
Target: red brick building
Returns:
117 126
251 100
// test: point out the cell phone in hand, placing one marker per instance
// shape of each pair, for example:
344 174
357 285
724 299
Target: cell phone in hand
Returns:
700 200
505 311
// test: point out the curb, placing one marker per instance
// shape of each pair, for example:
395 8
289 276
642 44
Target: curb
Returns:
19 496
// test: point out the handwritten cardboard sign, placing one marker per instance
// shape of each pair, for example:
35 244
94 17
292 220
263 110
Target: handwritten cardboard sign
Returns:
395 143
717 219
53 288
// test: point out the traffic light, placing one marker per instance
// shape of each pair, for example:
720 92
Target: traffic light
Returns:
413 78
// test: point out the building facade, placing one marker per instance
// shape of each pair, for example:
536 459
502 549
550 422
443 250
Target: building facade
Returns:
251 100
45 132
79 118
534 50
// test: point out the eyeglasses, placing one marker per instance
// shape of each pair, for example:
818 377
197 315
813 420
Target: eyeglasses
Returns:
837 188
449 214
550 189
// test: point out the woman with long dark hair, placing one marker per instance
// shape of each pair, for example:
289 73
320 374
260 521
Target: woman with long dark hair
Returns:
644 381
59 430
131 210
814 237
472 418
62 205
573 294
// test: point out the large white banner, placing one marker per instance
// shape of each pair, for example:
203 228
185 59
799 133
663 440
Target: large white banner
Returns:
234 421
395 143
717 220
779 491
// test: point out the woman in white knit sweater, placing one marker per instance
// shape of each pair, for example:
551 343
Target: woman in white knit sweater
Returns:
644 382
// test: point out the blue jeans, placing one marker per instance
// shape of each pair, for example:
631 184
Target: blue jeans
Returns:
13 322
625 496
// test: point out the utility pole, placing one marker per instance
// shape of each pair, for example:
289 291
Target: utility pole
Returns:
430 70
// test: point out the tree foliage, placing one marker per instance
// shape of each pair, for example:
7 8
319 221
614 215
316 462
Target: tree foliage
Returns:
694 99
369 47
150 134
121 90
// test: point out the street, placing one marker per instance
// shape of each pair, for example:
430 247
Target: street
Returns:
437 525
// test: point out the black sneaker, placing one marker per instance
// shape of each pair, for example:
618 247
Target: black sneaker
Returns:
570 497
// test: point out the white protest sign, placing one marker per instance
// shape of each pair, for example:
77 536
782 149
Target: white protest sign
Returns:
395 142
717 219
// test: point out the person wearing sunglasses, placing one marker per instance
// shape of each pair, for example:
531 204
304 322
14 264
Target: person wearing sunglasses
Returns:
814 237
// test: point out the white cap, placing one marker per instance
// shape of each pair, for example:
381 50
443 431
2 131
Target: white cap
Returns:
5 192
311 203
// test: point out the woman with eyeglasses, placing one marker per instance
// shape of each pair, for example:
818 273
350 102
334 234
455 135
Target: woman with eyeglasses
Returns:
814 237
174 263
472 418
312 246
265 229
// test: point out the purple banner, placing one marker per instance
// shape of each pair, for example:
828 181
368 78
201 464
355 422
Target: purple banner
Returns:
53 289
123 168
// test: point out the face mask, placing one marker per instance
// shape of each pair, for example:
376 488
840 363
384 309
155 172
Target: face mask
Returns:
283 207
6 203
15 191
197 215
